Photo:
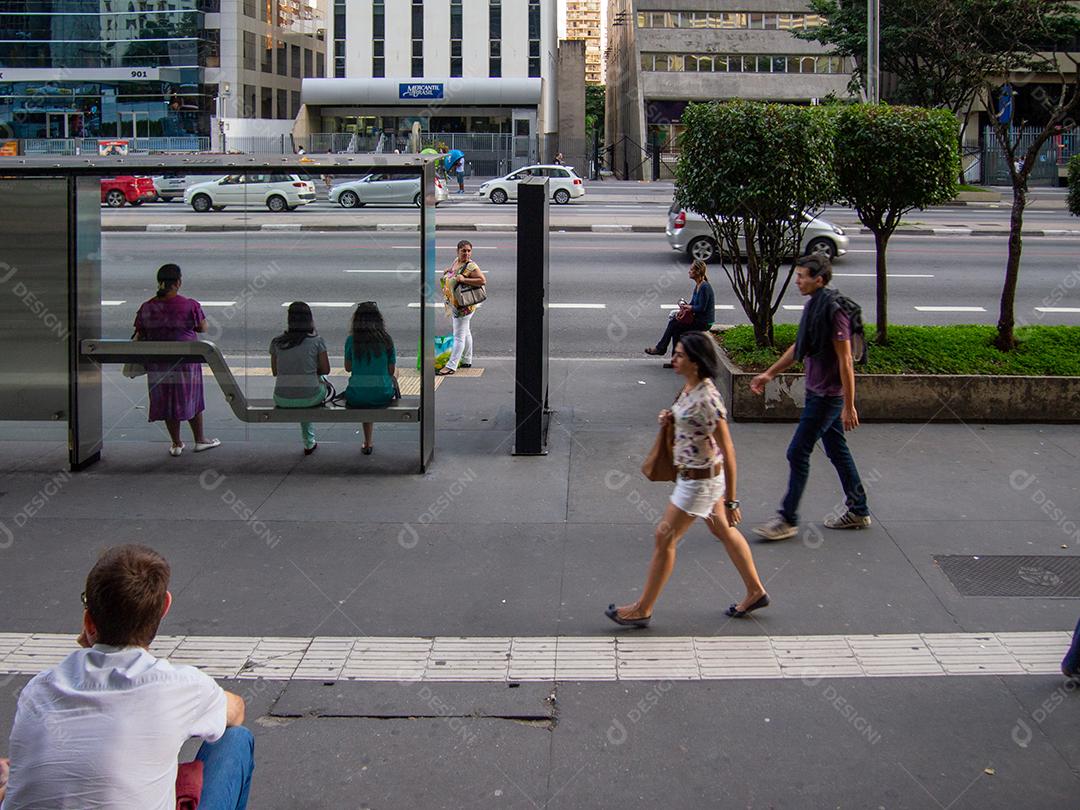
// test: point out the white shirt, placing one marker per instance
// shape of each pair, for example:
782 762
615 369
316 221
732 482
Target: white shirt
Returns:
103 730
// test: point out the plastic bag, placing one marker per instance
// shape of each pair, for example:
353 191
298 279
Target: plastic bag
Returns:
444 345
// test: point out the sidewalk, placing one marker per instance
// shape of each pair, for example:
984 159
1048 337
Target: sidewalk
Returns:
307 555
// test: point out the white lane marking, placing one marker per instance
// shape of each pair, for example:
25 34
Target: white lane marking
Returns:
889 275
416 305
794 307
950 309
218 303
577 306
443 247
403 270
572 658
1057 309
112 303
336 304
676 306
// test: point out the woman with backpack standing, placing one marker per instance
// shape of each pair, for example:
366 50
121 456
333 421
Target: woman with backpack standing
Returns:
462 272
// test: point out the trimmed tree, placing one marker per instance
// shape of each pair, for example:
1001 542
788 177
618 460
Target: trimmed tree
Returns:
751 170
1074 185
889 161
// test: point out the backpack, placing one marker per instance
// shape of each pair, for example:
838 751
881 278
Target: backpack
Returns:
858 333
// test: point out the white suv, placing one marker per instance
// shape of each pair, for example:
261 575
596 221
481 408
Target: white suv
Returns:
563 184
278 192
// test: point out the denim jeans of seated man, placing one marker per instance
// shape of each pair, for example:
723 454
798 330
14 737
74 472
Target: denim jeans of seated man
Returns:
821 419
227 768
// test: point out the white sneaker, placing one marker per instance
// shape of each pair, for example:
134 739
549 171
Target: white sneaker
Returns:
776 529
848 520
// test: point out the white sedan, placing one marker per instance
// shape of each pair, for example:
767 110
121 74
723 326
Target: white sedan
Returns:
278 192
563 184
383 189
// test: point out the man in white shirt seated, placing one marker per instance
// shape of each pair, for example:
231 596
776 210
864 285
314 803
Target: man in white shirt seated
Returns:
103 729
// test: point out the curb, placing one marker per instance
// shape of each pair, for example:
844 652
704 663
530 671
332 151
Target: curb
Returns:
509 227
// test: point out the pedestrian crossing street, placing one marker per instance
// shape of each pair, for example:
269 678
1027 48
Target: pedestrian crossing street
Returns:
618 657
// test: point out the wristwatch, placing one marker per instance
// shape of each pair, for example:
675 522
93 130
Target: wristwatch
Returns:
731 504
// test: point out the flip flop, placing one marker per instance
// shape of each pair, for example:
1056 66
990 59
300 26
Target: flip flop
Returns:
613 614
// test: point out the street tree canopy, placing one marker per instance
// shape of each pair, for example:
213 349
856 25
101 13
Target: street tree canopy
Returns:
751 170
889 161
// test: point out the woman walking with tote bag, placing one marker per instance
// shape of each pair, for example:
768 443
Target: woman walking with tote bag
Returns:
465 272
705 484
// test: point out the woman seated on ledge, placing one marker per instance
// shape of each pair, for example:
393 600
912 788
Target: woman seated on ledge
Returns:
371 360
299 361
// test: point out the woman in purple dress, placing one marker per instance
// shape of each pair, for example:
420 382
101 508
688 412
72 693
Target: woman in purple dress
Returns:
176 388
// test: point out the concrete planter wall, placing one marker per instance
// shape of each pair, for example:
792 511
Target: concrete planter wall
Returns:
913 397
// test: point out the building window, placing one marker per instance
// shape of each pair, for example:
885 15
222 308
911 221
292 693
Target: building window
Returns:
729 20
294 97
534 38
320 65
740 63
417 38
268 55
339 38
249 51
282 59
308 64
249 8
378 39
495 38
295 60
267 109
282 104
247 103
455 38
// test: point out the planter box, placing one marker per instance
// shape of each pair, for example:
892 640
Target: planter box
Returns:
912 397
977 196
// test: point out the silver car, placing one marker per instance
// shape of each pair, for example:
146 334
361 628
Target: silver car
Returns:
688 232
383 189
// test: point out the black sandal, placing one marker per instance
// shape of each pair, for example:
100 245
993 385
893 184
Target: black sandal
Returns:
613 614
734 612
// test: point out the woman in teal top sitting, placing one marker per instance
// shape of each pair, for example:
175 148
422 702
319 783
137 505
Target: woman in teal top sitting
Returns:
371 360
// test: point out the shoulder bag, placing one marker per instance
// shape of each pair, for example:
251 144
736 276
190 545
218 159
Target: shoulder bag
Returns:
467 295
659 465
133 370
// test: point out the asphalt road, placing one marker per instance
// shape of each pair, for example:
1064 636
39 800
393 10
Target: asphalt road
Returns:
607 290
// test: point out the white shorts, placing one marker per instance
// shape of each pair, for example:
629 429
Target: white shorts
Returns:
698 497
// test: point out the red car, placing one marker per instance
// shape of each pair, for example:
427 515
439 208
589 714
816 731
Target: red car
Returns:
115 191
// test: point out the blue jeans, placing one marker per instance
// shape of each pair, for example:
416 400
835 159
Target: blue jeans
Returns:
227 767
821 420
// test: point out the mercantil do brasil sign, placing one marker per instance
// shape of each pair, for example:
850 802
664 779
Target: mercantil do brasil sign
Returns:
430 90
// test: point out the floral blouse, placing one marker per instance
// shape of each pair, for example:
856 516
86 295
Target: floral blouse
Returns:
697 413
449 280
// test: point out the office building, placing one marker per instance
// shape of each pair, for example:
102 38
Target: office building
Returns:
583 22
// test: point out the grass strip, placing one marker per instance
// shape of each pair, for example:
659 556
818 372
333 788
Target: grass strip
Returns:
1052 351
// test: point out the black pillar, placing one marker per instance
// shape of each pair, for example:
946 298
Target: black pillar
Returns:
655 160
531 371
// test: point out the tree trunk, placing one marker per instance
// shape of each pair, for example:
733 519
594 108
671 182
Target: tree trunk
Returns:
763 326
881 244
1005 339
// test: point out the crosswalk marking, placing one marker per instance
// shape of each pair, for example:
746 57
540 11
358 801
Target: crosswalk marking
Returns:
617 657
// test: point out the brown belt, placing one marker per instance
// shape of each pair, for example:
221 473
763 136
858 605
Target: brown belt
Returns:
699 473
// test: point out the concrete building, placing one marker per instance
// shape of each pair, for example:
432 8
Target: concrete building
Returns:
583 22
449 66
663 54
153 67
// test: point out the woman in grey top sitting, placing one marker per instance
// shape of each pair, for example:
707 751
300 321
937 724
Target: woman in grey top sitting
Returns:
299 361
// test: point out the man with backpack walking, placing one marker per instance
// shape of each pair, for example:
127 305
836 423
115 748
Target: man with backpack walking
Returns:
830 338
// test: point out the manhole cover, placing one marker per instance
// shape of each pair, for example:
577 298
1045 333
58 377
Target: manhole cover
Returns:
1012 575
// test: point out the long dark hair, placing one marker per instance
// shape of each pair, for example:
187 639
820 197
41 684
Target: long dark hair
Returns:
301 325
168 275
700 348
369 332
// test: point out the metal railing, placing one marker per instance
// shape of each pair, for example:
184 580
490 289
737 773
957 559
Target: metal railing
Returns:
89 146
1054 154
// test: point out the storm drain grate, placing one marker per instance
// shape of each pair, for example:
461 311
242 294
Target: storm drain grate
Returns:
1012 575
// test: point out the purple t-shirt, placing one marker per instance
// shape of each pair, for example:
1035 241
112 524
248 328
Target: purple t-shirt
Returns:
170 318
823 372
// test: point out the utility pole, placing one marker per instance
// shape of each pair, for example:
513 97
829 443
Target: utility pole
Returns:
873 60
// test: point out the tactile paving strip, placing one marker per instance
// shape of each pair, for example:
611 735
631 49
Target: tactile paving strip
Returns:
1013 575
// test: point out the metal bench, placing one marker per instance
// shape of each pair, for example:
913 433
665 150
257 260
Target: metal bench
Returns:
407 409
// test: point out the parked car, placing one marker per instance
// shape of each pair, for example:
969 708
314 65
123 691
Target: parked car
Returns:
383 189
170 187
688 231
278 192
563 184
118 191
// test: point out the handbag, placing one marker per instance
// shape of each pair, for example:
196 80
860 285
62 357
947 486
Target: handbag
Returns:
659 465
685 316
467 295
133 370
